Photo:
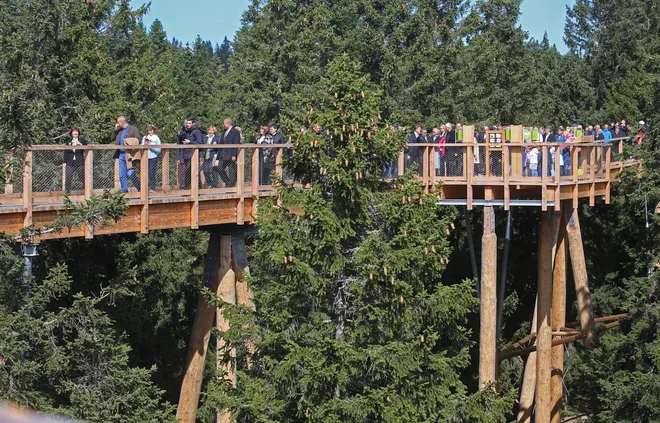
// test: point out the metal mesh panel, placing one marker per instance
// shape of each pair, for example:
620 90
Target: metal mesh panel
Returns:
12 174
584 158
48 172
267 165
104 169
247 168
455 161
494 158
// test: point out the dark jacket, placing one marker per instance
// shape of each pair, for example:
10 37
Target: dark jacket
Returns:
413 151
278 138
215 140
194 135
131 132
74 157
231 137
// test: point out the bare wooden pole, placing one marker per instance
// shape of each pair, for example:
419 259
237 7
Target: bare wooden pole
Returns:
199 339
579 265
547 242
488 308
226 357
529 381
558 322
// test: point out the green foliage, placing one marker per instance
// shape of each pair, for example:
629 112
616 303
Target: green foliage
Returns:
352 319
71 361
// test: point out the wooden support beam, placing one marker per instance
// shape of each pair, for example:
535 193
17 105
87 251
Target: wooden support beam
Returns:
201 333
165 164
194 189
27 189
144 191
426 169
117 181
240 186
579 265
488 307
544 177
558 322
89 187
9 181
256 176
505 173
400 164
226 357
557 341
528 388
547 242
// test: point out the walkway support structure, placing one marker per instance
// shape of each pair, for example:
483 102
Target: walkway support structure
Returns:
558 322
579 265
218 267
547 243
488 308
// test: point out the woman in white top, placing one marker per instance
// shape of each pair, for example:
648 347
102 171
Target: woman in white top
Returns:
152 139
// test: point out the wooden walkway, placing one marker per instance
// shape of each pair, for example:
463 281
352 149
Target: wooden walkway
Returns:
474 176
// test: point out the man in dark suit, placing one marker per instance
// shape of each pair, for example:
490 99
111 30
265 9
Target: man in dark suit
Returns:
191 135
454 154
412 155
228 156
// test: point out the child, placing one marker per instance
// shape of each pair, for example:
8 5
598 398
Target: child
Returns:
533 162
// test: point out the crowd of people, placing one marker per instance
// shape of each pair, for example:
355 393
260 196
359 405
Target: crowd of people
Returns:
449 160
218 166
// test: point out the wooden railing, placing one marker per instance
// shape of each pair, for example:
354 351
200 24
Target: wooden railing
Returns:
464 170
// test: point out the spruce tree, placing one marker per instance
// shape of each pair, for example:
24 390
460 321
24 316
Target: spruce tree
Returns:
353 322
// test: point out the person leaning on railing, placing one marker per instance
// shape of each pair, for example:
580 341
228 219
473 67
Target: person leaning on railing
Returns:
152 138
74 160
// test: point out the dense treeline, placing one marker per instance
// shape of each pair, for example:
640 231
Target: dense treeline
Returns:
103 334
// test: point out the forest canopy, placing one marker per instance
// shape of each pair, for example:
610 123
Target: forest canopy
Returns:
102 335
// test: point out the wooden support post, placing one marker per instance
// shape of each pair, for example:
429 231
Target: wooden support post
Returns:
144 191
505 174
278 162
194 189
529 380
9 182
426 169
165 165
558 322
608 169
547 242
27 189
544 178
64 177
201 333
244 297
226 357
488 308
401 164
117 182
256 176
88 230
579 265
240 186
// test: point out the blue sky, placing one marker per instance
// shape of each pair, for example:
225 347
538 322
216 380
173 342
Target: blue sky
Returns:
215 19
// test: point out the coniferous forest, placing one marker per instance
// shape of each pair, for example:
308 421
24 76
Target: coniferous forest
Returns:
372 315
